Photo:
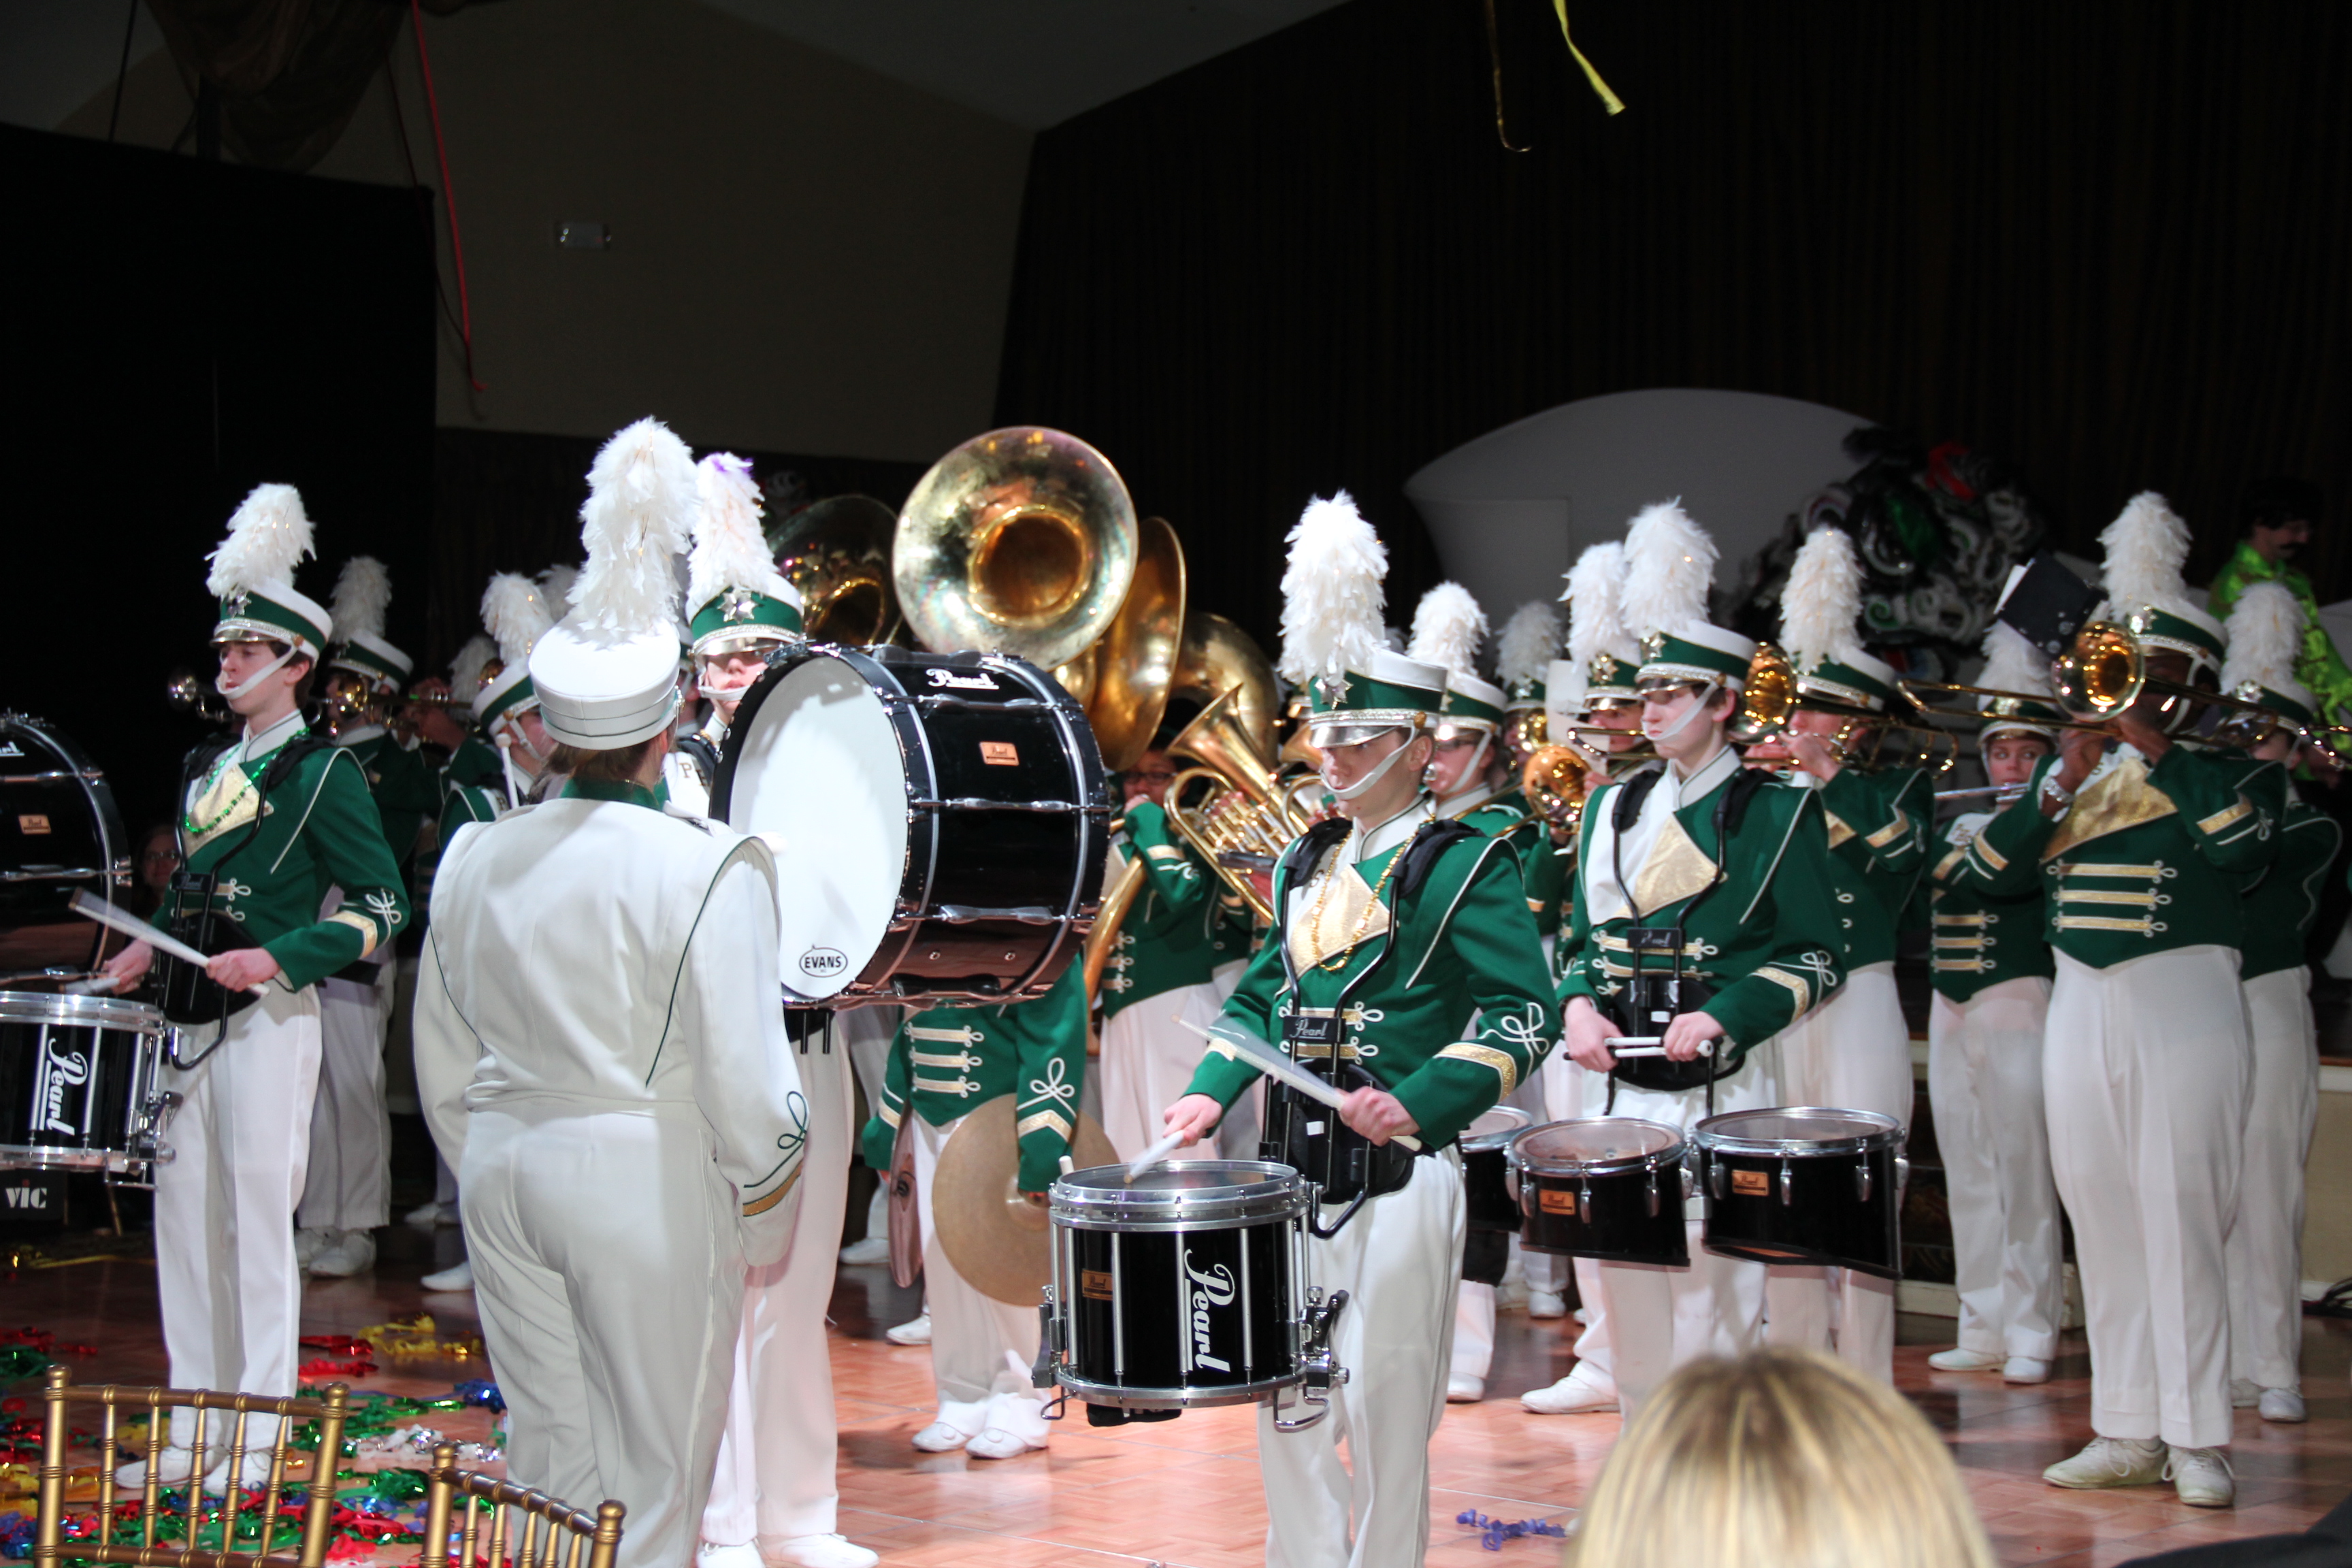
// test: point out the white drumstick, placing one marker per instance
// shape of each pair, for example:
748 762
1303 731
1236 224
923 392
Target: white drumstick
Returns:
1277 1066
1648 1045
132 926
1153 1155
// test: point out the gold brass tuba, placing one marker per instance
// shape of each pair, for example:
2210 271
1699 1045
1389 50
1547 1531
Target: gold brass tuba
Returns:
1021 540
1136 661
837 553
1556 779
1242 818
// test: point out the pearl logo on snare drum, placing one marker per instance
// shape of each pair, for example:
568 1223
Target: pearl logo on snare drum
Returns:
1214 1288
58 1071
823 961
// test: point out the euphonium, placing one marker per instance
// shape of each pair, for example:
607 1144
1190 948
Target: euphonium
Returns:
1231 807
836 552
1555 780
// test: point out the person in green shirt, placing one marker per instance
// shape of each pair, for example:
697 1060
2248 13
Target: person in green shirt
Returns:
2276 518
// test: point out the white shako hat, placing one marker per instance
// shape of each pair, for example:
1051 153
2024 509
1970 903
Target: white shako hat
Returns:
1524 651
2265 633
1603 653
252 575
2013 664
735 597
1821 620
517 613
1448 628
1333 642
607 675
363 595
2146 546
1669 569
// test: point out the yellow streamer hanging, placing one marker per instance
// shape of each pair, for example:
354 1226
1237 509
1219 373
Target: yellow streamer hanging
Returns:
1609 100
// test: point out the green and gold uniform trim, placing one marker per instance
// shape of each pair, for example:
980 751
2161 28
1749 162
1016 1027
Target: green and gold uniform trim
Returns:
738 618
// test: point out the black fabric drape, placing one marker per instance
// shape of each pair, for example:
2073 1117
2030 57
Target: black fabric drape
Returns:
2104 240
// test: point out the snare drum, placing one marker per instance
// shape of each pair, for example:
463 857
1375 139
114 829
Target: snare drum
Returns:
939 822
1610 1188
1803 1185
1184 1287
78 1085
1486 1195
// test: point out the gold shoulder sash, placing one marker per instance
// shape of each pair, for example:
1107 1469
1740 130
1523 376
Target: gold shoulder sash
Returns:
1675 869
2123 799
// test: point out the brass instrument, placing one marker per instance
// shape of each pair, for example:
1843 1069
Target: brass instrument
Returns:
836 553
420 697
2105 671
1642 751
1771 699
1135 662
1021 540
184 692
1102 941
2000 794
1243 817
2004 705
1555 780
1527 731
1217 656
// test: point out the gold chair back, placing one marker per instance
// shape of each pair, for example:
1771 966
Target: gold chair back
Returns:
586 1539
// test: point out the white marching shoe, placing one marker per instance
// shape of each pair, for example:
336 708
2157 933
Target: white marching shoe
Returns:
173 1467
941 1438
1015 1425
1546 1303
2281 1405
710 1554
2244 1393
1959 1360
1462 1388
873 1249
820 1551
2112 1462
913 1332
2025 1369
352 1252
251 1475
460 1278
432 1214
308 1242
2202 1477
1586 1390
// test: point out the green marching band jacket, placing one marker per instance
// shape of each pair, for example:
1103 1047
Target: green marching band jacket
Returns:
1878 836
2281 907
1981 940
1178 930
2146 859
407 786
1766 940
274 856
1542 874
947 1062
1444 935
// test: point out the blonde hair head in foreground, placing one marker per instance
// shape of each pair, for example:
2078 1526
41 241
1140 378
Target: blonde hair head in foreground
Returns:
1779 1459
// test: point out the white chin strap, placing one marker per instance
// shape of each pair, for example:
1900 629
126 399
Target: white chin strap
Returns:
730 695
1369 779
509 738
1698 706
257 678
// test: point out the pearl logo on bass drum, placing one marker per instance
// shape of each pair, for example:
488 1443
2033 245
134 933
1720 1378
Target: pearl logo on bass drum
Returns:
58 1072
976 681
1211 1289
823 961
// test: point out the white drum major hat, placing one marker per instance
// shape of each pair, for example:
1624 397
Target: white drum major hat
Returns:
607 675
253 575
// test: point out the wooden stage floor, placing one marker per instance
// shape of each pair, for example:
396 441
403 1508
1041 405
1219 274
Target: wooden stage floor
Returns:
1186 1491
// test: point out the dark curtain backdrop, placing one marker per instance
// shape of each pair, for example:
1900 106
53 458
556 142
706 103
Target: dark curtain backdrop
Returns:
2106 240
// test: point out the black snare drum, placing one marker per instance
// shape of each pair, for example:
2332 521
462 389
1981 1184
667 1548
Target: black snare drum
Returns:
1610 1188
939 822
1184 1287
59 834
1803 1185
77 1085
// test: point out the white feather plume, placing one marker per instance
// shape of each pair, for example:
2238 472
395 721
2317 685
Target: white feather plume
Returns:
267 535
555 585
728 549
466 669
1822 601
2012 663
1331 592
2146 546
641 499
2265 631
1448 629
363 595
517 616
1669 567
1528 643
1596 615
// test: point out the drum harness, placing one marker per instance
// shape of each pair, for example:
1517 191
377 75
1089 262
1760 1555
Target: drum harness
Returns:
1651 996
1344 1165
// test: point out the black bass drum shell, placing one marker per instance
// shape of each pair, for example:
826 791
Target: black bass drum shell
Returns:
1804 1184
60 834
1608 1188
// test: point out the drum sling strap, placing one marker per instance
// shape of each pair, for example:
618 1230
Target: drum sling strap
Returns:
1307 1136
1648 993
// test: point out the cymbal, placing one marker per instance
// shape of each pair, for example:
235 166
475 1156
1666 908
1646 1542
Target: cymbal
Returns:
996 1240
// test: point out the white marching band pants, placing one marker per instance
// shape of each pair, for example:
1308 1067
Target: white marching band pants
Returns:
1851 1053
971 1331
2264 1251
2144 1072
1984 1079
1149 1054
776 1476
350 1181
609 1271
1660 1317
225 1271
1398 1260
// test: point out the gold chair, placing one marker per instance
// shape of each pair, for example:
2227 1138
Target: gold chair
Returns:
599 1533
49 1544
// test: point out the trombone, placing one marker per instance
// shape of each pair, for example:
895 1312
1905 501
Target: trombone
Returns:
1771 699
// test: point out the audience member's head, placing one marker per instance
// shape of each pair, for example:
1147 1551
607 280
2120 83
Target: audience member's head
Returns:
1781 1460
2277 515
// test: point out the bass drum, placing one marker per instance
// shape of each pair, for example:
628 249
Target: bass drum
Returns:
939 822
59 834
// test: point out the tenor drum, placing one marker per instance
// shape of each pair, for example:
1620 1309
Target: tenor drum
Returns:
1183 1287
1488 1202
939 822
59 834
1610 1188
78 1085
1804 1184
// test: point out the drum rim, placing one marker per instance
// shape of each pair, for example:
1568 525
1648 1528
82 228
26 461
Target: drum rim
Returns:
1088 1392
113 837
1623 1164
1887 1133
100 1011
1281 1195
1496 1142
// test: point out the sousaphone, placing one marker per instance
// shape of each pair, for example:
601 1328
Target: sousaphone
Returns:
1136 659
837 553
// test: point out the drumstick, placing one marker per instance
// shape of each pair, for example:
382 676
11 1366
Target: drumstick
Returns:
1282 1069
1153 1155
132 926
1648 1045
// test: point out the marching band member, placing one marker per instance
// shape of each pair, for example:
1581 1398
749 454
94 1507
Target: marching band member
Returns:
1035 1051
269 823
1524 654
1593 686
599 1046
2143 851
2264 1251
1727 878
1853 1049
1397 927
348 1191
742 611
1990 965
